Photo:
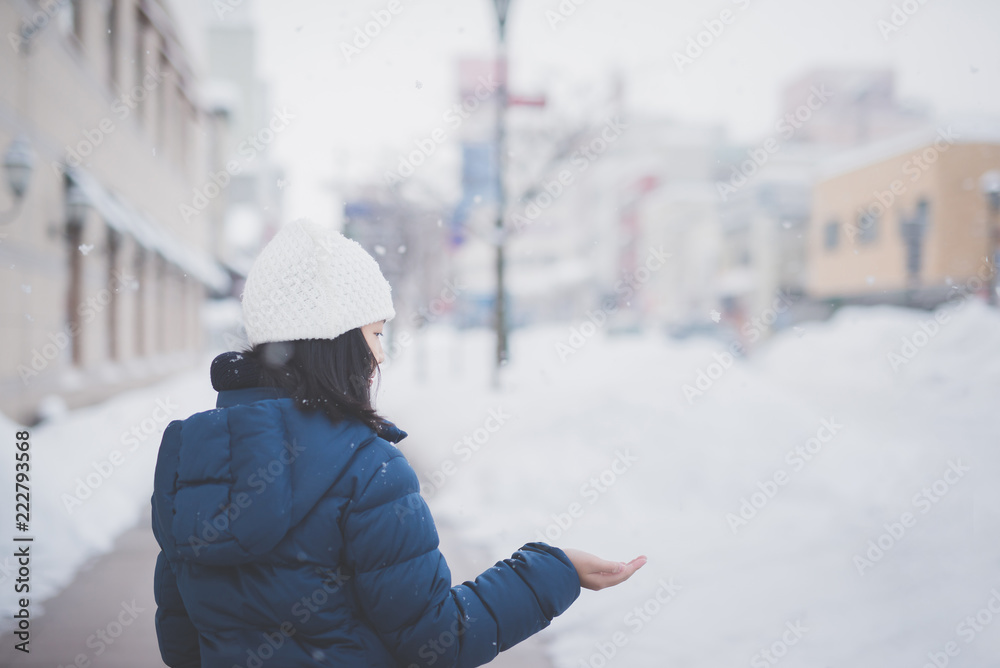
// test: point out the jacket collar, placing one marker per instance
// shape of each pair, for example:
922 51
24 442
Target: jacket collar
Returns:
248 395
392 433
227 398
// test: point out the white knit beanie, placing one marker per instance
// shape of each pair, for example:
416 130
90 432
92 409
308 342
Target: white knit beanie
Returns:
311 282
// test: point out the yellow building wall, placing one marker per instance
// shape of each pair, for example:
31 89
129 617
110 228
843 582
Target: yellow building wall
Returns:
955 243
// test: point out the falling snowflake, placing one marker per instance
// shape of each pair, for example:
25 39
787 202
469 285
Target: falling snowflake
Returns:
401 250
419 85
282 184
799 331
380 250
86 248
870 280
26 288
715 315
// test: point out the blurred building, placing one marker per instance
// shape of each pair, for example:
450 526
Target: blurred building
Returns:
847 107
765 189
764 229
102 278
678 214
903 221
241 105
410 243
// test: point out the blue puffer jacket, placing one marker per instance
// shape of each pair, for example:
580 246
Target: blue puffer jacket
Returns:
289 541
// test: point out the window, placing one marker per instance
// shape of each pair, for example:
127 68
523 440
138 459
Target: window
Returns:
141 297
114 248
868 224
112 41
74 291
77 6
69 21
142 28
831 235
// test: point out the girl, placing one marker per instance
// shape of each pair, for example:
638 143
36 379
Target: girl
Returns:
292 530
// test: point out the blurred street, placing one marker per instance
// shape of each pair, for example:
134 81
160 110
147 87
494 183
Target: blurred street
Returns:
717 285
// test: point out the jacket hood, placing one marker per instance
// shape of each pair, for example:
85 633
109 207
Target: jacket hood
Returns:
233 481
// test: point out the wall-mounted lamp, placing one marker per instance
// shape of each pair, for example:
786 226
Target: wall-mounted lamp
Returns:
18 163
77 205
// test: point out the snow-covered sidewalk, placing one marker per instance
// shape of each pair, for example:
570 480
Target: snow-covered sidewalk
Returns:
91 479
813 505
820 503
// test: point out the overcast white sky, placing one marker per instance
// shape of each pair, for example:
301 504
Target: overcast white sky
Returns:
353 118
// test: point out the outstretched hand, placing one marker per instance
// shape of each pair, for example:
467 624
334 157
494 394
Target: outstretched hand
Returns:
596 573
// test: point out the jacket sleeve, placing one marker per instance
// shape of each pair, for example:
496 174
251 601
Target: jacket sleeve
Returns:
403 584
176 635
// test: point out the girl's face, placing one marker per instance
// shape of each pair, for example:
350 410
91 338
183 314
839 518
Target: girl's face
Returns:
373 335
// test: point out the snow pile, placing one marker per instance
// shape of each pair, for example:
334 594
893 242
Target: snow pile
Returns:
92 477
819 503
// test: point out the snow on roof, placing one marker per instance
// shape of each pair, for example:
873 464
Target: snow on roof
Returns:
121 216
964 131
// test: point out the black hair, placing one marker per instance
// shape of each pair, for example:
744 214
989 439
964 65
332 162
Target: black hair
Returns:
332 375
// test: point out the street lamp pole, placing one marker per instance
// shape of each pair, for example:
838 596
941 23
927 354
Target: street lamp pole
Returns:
990 185
501 149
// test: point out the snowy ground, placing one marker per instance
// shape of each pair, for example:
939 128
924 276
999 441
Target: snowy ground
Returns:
605 452
91 477
795 577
